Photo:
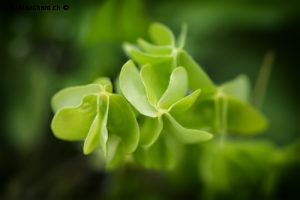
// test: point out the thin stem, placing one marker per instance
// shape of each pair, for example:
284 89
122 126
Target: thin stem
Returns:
263 79
221 106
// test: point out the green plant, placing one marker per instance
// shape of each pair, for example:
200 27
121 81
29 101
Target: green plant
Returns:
163 101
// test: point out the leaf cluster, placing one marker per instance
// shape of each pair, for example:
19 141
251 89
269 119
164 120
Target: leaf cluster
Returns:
164 100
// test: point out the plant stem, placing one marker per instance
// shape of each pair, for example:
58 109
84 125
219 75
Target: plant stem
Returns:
263 79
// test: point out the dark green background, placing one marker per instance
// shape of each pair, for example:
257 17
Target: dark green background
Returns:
44 51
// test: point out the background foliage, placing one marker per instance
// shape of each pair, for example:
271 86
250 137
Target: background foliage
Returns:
43 51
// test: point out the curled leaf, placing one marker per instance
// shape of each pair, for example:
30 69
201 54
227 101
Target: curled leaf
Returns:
72 96
74 123
98 133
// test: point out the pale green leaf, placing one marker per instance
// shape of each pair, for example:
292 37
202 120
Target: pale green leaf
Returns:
98 132
177 88
197 77
238 87
122 122
105 84
185 135
143 58
161 35
74 123
185 103
72 96
150 130
114 154
244 119
154 82
133 89
154 49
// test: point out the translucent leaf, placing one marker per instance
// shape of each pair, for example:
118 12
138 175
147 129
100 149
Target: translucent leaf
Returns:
72 96
98 132
74 123
239 88
197 77
183 134
242 118
177 88
150 130
185 103
122 122
133 89
105 84
154 83
143 58
154 49
161 35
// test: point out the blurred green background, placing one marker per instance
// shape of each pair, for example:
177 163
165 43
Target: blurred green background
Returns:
44 51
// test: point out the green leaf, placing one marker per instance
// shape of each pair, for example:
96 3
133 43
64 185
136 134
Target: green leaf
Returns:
161 35
98 132
143 58
154 49
150 130
177 88
154 82
114 154
122 122
197 77
244 119
185 103
105 84
133 89
72 96
183 134
74 123
238 87
163 154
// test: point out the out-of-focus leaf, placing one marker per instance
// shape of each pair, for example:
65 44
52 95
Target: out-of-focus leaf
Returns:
143 58
150 130
74 123
177 88
114 154
161 155
98 134
105 84
183 134
154 49
72 96
244 119
239 88
197 77
133 89
122 122
161 35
